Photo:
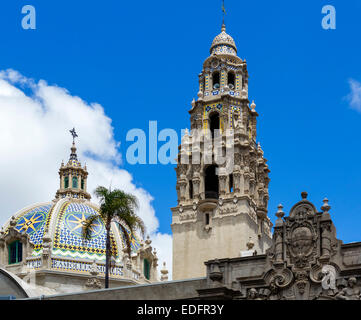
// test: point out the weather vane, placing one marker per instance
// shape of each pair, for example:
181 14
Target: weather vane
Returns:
73 133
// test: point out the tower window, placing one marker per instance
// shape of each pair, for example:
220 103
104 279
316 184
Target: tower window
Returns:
15 252
75 182
207 219
214 122
231 80
211 182
82 184
231 183
146 269
215 77
190 189
66 182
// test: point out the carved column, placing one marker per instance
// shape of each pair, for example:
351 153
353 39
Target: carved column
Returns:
182 187
196 179
222 184
85 182
196 184
326 239
61 180
246 181
70 181
154 273
278 235
252 182
237 181
278 245
46 256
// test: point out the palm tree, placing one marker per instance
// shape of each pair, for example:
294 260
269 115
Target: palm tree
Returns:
118 206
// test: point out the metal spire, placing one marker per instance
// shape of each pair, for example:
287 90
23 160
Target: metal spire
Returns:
224 12
73 155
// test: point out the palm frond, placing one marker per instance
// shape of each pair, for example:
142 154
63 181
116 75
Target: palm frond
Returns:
87 232
141 226
101 192
127 239
121 206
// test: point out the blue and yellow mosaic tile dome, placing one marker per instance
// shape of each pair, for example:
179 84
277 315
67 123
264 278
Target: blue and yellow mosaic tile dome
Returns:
62 222
54 235
33 221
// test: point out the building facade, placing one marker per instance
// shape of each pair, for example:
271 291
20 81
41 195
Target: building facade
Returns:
305 262
222 206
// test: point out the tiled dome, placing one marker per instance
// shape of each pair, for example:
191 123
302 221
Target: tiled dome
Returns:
48 238
33 220
223 44
62 221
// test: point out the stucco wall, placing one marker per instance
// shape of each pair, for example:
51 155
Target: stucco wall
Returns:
172 290
227 237
10 286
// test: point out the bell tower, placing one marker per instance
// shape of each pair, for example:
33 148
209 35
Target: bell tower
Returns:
221 212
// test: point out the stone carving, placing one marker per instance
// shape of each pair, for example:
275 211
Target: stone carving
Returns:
252 294
279 278
350 292
187 216
216 275
92 282
301 281
329 277
304 262
164 272
229 208
301 243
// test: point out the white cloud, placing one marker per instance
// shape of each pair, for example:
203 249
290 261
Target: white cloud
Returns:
34 138
354 97
163 243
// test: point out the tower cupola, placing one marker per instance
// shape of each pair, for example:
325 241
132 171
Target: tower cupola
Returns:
223 72
73 177
223 43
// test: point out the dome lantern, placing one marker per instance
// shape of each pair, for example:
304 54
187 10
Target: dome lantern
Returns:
73 177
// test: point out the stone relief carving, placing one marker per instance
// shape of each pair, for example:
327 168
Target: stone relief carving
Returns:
329 277
351 292
228 209
304 262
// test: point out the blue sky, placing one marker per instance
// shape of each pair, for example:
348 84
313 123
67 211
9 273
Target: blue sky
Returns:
140 61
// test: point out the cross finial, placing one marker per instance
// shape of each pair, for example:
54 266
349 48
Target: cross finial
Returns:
73 133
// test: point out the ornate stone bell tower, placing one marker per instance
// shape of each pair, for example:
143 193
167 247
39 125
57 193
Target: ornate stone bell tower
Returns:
220 213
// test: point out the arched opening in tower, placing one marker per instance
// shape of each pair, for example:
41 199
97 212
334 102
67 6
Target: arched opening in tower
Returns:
211 182
215 77
231 80
213 122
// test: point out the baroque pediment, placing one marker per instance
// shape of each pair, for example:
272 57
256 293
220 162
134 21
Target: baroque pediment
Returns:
305 261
